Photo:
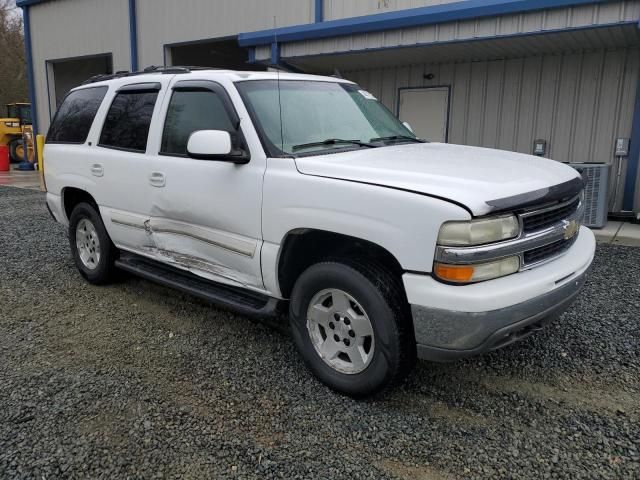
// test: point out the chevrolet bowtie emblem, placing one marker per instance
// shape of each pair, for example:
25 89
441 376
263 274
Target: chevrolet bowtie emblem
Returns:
570 229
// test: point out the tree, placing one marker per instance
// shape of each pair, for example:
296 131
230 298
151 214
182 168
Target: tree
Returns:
13 67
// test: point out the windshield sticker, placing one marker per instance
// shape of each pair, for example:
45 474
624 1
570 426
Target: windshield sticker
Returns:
367 95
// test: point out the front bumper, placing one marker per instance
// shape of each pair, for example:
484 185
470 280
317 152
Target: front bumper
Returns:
456 321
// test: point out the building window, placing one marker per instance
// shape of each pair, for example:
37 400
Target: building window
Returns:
75 116
127 124
190 111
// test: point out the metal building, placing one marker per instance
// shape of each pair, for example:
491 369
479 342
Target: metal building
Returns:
559 78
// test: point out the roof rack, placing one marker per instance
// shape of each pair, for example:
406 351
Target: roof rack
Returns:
178 69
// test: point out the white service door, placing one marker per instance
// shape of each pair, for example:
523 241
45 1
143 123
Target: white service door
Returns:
427 111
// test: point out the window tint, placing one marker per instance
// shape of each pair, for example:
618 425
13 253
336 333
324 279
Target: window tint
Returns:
127 123
75 116
188 112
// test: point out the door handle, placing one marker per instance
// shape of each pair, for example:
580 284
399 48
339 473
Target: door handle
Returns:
97 169
157 179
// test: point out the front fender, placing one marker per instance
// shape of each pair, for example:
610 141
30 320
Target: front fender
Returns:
404 223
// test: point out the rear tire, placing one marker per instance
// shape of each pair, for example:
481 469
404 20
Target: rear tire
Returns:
364 347
13 150
93 251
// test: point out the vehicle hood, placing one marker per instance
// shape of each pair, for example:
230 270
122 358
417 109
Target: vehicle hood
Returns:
471 176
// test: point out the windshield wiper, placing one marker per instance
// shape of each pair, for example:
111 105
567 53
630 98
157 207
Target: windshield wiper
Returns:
332 141
397 137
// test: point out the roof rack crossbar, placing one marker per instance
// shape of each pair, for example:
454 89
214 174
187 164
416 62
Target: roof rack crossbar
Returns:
162 69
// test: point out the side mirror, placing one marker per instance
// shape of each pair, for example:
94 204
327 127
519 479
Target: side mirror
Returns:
408 127
214 145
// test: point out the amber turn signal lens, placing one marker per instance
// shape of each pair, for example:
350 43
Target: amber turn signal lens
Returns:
454 273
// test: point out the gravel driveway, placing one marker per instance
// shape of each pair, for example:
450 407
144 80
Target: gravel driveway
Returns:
135 380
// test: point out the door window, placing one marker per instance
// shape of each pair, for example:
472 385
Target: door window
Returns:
75 116
127 124
190 111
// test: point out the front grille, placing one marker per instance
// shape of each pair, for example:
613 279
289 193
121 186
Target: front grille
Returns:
546 218
545 252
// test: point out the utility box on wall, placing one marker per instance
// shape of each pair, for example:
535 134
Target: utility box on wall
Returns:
595 193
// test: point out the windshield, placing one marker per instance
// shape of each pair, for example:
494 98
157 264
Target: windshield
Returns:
12 111
319 116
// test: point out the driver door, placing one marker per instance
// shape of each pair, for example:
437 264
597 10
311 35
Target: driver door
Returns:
206 214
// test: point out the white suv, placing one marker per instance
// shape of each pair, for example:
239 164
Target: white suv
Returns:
257 190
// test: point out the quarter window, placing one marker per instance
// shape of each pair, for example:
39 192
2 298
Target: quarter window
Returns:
190 111
75 116
128 121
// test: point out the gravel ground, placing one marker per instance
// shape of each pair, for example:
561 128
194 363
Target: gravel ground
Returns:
135 380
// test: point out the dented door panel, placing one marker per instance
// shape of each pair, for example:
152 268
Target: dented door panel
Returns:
129 231
207 216
208 252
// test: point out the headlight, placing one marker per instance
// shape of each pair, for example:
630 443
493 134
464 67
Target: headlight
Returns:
12 124
477 272
478 232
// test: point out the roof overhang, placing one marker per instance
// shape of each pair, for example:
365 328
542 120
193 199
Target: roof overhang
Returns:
413 17
608 37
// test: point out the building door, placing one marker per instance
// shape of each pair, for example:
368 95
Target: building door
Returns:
427 111
63 75
220 53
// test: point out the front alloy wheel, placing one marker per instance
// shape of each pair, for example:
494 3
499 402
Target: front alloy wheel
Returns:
340 331
352 325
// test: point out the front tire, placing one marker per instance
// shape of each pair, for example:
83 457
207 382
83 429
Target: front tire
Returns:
352 325
91 247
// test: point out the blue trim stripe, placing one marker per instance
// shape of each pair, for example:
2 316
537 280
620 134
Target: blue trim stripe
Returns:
633 159
26 3
30 74
319 17
413 17
133 35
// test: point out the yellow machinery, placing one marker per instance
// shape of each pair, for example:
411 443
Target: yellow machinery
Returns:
15 128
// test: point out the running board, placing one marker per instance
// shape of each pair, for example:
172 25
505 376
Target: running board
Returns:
240 300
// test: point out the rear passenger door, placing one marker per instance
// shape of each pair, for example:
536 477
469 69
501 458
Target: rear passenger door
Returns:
121 168
206 214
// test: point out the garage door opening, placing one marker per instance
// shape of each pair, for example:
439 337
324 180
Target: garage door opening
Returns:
217 54
63 75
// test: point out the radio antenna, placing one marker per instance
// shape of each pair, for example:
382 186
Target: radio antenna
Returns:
277 67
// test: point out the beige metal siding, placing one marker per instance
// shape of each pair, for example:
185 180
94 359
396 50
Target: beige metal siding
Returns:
612 13
335 9
579 102
74 28
162 22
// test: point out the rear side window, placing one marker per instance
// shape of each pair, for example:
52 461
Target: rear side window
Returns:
190 111
127 124
75 116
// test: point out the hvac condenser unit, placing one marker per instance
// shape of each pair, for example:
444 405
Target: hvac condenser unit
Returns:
595 193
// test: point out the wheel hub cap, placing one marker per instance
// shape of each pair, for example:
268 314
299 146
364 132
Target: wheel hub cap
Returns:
88 244
340 331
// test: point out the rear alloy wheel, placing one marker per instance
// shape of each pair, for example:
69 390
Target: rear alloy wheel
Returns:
91 247
352 325
88 244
